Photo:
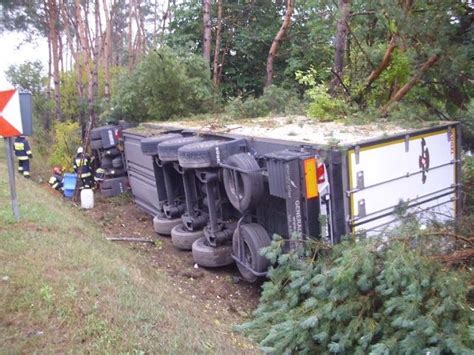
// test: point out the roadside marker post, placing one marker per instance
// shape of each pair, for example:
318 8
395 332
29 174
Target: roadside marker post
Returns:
15 120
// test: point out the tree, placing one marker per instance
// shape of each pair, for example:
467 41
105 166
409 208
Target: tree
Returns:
277 41
163 85
27 76
342 29
206 20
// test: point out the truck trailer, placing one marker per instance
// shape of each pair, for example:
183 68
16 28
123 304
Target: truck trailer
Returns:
233 186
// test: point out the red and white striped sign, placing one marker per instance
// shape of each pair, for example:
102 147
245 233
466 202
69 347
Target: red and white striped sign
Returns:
10 114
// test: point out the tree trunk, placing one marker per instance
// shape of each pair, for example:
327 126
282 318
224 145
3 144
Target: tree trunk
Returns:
378 70
107 56
277 41
215 76
341 43
206 19
408 86
130 37
54 36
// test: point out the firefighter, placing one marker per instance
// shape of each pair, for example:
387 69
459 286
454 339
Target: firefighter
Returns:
23 152
99 176
56 181
83 168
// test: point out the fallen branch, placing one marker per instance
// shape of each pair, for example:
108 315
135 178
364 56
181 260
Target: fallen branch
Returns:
137 240
455 236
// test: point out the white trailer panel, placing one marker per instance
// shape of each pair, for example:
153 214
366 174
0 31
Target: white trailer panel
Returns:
418 172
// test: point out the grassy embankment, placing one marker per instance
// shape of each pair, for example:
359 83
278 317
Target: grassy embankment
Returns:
63 287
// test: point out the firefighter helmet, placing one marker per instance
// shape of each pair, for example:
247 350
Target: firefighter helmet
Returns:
80 150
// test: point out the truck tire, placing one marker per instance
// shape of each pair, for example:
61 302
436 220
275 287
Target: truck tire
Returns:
208 256
168 150
254 237
112 152
109 193
197 155
247 189
163 226
116 183
117 162
184 239
124 124
115 172
96 144
149 145
95 133
106 163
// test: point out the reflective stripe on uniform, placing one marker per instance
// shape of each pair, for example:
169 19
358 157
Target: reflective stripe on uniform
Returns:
52 180
55 185
81 162
23 158
85 175
19 146
20 168
26 173
29 152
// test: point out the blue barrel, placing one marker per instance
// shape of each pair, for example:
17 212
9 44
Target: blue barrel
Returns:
69 184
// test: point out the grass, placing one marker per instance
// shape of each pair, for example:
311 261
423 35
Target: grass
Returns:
64 288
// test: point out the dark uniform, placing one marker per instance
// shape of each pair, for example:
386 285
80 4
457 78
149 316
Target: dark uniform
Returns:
82 167
23 153
56 182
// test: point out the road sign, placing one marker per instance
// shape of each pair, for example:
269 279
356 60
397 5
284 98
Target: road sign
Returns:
11 124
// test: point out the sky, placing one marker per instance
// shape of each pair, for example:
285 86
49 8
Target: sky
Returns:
15 49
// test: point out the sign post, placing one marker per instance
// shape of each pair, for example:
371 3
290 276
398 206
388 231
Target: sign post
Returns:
15 120
11 176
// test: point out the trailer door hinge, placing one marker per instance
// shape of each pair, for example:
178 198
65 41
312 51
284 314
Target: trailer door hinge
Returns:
361 209
407 143
360 180
357 154
450 132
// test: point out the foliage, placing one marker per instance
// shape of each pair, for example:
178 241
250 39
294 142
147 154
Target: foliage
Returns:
361 297
275 100
26 76
322 106
164 84
67 137
468 183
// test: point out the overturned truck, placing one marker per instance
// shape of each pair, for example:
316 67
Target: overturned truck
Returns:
223 192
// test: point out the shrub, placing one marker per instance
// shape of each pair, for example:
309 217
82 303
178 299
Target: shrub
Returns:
322 106
164 84
67 137
361 298
275 100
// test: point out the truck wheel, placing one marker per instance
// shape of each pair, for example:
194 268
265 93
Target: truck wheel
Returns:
96 133
244 190
117 162
197 155
96 144
254 237
116 172
183 239
164 226
112 152
149 145
106 163
168 150
208 256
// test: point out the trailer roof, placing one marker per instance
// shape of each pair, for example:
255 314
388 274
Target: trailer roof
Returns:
298 129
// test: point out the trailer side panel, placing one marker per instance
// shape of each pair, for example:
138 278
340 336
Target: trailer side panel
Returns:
416 174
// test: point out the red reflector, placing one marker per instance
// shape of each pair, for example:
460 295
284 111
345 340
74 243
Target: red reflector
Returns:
320 172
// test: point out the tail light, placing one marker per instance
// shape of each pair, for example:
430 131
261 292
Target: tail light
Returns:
321 172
